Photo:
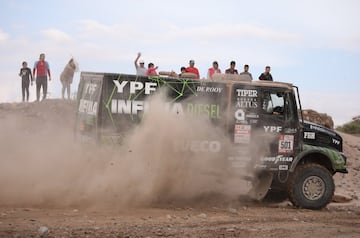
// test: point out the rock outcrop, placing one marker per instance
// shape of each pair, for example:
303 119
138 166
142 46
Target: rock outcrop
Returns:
318 118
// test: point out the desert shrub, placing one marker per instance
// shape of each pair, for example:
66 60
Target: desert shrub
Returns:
351 127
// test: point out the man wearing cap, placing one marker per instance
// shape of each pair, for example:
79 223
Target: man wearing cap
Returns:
193 69
140 69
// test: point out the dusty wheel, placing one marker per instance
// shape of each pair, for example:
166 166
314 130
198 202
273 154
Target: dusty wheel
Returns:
311 186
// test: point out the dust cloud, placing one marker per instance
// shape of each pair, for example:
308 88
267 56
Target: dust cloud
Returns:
161 161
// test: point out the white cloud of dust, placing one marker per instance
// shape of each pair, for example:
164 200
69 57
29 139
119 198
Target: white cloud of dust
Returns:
42 165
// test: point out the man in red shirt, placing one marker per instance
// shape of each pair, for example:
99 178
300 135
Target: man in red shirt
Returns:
40 72
193 69
214 70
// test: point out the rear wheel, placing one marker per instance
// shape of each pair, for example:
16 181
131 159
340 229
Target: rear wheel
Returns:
311 186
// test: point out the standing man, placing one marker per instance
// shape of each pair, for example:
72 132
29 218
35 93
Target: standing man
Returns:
193 69
232 69
140 69
246 71
26 75
266 75
40 72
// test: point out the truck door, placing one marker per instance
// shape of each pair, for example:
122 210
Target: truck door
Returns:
277 131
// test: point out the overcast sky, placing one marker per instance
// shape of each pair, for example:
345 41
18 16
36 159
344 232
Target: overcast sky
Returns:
312 44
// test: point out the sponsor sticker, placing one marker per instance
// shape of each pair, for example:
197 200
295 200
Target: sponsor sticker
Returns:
239 115
277 159
242 134
336 142
283 167
309 135
246 98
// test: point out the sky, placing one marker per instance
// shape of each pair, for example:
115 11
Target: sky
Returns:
313 44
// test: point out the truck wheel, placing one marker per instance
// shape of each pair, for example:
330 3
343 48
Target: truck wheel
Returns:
311 186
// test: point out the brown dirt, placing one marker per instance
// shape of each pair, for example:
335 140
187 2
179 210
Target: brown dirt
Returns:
47 180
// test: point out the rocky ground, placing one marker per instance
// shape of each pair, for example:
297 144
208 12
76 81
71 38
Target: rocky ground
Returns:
37 200
237 221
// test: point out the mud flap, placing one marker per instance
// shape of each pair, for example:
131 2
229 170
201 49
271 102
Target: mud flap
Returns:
260 186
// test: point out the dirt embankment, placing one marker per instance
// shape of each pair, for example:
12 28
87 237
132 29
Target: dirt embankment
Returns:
48 180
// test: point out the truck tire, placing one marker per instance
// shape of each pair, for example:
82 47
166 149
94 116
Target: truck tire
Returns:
311 186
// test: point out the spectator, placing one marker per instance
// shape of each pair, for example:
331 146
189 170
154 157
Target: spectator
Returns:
25 73
232 69
40 72
140 69
66 77
151 70
214 70
182 70
266 75
246 71
193 69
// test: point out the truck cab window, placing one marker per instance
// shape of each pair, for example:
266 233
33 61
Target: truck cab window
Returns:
273 103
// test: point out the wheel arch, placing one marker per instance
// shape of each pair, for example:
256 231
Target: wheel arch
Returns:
313 156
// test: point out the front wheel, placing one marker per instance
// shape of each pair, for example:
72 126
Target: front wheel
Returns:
311 186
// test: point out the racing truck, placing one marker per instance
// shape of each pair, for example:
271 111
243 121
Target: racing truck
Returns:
263 120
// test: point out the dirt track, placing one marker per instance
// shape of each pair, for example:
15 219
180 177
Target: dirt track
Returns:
25 206
237 221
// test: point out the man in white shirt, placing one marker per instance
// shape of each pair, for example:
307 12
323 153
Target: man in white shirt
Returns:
140 68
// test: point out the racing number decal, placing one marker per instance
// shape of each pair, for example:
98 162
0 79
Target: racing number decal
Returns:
286 144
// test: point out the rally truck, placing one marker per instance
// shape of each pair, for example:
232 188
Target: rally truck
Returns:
285 154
